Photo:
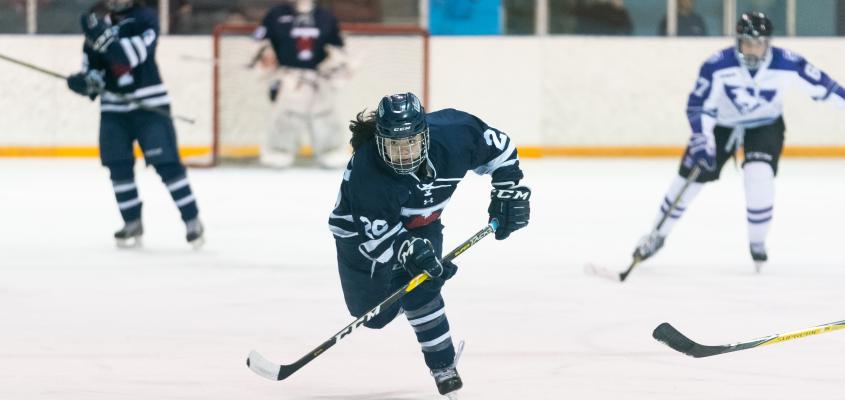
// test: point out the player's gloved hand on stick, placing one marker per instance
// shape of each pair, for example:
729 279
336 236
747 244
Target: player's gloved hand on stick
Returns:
87 84
98 34
510 206
702 152
275 87
417 256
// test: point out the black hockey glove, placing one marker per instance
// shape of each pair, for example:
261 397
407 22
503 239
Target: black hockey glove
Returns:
275 87
98 34
417 256
87 84
509 205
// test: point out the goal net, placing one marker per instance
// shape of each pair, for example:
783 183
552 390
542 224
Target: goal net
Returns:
383 59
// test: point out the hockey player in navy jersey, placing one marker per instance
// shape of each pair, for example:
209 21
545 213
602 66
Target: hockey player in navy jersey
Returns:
119 66
737 102
386 222
308 49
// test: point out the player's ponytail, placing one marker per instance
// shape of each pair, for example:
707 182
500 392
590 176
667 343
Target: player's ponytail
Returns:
363 129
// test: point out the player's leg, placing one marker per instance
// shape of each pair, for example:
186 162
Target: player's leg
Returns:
650 244
763 148
327 136
364 284
426 312
289 121
116 154
157 138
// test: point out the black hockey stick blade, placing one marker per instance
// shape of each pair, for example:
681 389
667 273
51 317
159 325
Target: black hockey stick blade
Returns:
667 334
671 337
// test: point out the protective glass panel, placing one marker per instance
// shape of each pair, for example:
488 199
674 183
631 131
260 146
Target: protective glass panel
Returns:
820 18
697 18
520 17
12 16
774 9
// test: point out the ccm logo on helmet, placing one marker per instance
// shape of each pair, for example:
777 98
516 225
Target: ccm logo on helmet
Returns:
512 194
403 128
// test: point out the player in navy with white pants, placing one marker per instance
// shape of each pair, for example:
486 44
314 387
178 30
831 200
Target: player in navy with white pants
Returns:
386 223
119 66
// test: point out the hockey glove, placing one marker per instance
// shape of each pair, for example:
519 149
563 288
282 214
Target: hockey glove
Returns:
510 206
87 84
701 152
275 87
417 256
98 34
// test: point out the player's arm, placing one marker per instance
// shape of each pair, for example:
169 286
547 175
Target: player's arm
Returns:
124 47
90 80
493 152
702 119
818 84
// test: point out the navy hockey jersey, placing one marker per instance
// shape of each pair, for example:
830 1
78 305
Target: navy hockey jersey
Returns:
129 63
728 94
379 209
299 40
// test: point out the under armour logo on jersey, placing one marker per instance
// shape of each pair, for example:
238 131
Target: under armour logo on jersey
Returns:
428 201
745 100
428 187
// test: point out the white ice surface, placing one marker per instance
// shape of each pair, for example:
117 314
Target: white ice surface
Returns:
80 319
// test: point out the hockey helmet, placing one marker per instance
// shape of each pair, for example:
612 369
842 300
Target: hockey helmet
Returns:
753 33
402 132
118 5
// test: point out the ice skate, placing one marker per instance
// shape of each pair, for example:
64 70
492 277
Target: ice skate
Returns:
130 235
758 254
195 233
649 246
447 379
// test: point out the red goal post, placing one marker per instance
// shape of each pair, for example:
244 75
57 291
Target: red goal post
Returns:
384 59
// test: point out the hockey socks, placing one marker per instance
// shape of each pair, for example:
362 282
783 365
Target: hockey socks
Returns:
675 188
432 330
176 180
759 199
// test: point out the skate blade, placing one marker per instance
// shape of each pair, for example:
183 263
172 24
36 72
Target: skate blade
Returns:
452 395
197 243
758 266
601 272
129 243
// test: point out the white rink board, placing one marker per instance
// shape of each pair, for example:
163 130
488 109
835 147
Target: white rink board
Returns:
543 91
82 320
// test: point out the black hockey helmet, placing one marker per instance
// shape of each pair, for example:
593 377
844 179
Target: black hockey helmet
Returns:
402 132
756 28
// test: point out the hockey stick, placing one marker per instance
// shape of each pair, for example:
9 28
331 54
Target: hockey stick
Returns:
621 276
119 96
261 366
670 336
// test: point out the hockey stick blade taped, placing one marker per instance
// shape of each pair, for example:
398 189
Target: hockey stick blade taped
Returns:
670 336
262 366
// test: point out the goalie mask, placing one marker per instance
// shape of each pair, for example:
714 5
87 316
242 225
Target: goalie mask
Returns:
753 34
402 132
118 5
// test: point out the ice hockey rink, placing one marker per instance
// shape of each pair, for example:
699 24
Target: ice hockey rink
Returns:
80 319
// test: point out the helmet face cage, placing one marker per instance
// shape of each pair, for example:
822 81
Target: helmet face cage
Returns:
755 29
404 155
402 135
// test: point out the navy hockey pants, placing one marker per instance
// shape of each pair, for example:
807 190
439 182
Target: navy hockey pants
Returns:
155 134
